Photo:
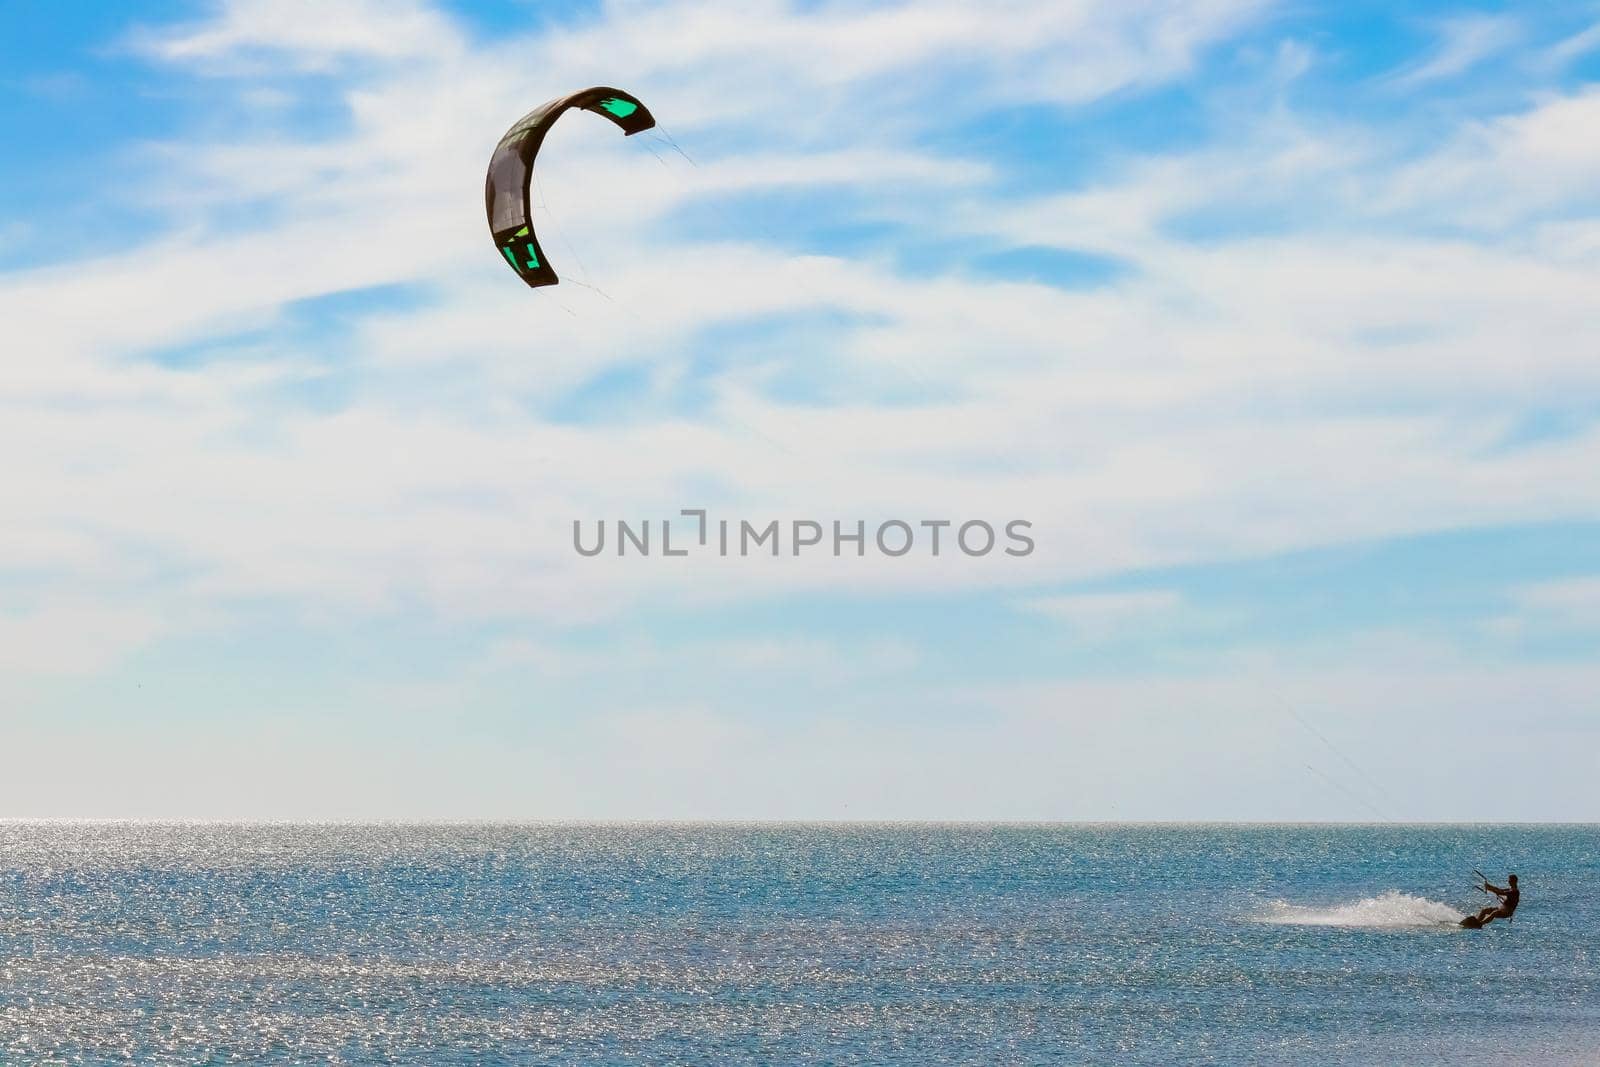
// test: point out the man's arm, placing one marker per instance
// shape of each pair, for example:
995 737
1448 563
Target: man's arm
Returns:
1496 890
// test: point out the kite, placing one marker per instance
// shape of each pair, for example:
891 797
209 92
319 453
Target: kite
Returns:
505 192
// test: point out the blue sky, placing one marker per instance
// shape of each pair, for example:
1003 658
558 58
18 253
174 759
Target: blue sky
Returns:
1276 320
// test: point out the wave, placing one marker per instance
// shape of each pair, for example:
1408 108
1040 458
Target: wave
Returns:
1392 908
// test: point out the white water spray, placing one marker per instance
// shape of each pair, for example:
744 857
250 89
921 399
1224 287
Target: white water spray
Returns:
1389 909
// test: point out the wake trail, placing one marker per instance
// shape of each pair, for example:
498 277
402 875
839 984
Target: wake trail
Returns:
1392 909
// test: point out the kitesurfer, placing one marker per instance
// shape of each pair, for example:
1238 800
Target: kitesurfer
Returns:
1509 896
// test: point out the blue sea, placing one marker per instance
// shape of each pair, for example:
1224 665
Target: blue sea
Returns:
793 944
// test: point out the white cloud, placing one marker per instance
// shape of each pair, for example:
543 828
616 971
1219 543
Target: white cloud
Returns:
311 34
1571 604
1574 47
1102 615
72 635
1464 43
769 658
1500 172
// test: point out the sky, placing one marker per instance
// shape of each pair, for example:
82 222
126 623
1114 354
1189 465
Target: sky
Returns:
1277 322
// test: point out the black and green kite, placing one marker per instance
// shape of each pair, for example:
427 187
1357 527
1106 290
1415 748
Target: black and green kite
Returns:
511 172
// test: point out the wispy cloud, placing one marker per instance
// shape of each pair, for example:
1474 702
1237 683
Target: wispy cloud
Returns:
1575 46
1463 43
1571 604
305 35
1099 615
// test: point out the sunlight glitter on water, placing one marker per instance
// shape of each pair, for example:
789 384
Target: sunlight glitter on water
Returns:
531 944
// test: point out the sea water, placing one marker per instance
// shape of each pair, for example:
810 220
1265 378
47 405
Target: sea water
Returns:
838 944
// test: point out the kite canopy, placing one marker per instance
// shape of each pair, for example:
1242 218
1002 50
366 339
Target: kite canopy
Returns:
505 192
